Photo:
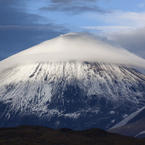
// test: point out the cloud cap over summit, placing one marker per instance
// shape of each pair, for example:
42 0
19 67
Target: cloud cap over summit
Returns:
75 47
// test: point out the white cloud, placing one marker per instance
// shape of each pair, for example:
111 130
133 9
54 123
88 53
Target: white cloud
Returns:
74 47
118 21
133 40
109 29
125 29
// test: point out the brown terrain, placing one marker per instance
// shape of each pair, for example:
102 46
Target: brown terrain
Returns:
31 135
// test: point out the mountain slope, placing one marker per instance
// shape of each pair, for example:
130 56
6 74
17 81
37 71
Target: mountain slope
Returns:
133 125
72 81
65 94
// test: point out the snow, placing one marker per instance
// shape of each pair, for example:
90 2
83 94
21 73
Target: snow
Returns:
113 121
31 86
73 47
125 115
34 80
126 120
141 133
72 115
112 112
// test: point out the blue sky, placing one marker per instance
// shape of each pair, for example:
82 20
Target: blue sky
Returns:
25 23
76 21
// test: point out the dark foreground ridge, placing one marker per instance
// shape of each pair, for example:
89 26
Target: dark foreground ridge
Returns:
31 135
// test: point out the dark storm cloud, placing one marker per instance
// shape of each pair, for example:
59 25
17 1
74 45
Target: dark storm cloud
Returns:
20 30
70 1
74 6
73 9
17 38
11 13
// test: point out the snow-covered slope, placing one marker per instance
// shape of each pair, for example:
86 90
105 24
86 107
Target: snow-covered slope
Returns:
128 119
141 134
38 88
133 125
67 93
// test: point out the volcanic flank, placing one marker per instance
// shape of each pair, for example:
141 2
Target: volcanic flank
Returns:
72 81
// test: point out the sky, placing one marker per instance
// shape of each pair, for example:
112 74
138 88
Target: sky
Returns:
24 23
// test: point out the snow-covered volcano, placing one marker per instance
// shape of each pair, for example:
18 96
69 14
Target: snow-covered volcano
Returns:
72 81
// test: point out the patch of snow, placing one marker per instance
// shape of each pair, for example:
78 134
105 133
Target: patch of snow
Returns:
125 115
112 112
112 121
126 120
141 133
72 115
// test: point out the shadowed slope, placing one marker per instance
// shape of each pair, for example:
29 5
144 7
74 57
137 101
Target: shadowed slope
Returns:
133 125
69 94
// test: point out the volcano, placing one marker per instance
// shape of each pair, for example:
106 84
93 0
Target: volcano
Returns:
73 81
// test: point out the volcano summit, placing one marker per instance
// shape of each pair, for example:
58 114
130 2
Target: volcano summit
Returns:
72 81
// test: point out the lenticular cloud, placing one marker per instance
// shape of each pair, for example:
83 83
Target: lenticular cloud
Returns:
74 47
